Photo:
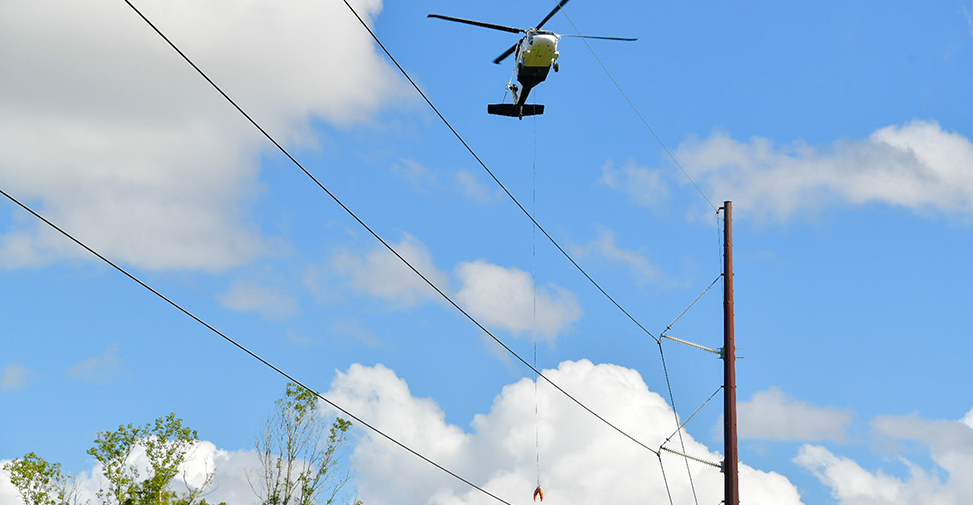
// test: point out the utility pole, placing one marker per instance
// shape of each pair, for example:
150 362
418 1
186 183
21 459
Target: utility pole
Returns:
731 489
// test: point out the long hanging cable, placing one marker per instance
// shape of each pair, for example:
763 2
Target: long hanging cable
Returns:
533 275
381 240
241 346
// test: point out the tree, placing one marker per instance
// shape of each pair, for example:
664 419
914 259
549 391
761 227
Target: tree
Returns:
299 453
166 443
40 482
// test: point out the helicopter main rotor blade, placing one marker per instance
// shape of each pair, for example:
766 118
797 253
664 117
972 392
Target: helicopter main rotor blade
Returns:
553 12
502 28
602 38
506 53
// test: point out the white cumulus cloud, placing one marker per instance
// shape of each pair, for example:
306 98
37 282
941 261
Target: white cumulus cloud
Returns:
497 296
416 173
112 136
636 261
268 301
949 444
382 274
581 459
506 297
475 190
917 165
773 415
968 419
98 369
15 376
644 186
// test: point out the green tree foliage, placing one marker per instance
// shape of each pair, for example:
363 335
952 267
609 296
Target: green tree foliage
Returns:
40 482
299 452
166 443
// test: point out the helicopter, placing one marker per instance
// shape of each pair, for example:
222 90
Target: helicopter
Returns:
536 54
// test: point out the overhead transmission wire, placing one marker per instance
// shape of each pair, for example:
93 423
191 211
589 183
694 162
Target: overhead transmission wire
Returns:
708 201
639 113
536 224
490 172
378 237
243 348
675 415
679 426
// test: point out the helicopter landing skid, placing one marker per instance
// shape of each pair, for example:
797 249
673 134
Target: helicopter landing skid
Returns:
514 110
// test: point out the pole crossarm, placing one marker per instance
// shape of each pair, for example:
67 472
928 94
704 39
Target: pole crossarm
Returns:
692 344
694 458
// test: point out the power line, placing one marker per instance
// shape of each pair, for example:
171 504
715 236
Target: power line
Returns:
639 114
710 203
490 172
379 238
672 398
245 349
672 401
665 480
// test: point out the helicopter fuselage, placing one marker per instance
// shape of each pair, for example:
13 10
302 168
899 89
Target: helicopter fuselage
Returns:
536 53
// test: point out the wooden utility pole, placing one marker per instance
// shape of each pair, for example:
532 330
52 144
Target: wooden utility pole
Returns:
731 490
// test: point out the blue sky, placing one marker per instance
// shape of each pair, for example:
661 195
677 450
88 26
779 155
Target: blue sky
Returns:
841 132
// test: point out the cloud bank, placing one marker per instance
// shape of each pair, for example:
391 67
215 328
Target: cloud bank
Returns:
917 166
112 136
949 444
581 459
